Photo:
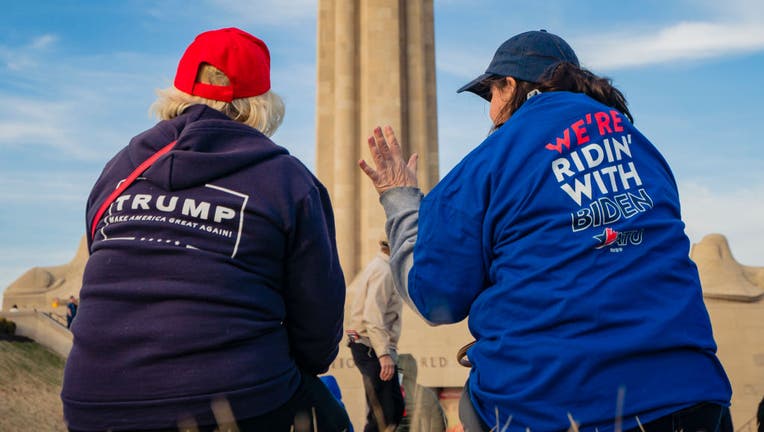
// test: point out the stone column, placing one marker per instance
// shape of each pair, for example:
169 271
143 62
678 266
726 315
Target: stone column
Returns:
376 66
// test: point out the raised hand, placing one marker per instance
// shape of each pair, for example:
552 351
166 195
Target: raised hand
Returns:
391 169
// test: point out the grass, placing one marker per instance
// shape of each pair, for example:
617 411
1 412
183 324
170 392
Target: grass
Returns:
30 385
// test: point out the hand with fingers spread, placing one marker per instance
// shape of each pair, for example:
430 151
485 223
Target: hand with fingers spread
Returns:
391 169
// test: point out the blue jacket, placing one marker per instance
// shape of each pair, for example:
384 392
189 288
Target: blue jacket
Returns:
216 276
561 238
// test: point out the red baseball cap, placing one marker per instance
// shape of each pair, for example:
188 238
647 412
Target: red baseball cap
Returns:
242 57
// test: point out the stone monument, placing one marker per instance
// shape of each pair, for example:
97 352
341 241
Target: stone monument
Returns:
376 66
48 288
734 296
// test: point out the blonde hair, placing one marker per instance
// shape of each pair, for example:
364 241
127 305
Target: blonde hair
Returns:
264 112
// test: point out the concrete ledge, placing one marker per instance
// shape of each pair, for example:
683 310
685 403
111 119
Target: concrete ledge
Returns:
43 329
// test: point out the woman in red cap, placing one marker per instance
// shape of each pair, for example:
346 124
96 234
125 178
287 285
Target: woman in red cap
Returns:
572 263
213 296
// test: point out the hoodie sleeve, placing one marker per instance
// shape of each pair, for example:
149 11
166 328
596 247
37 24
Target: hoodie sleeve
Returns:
445 241
315 286
402 209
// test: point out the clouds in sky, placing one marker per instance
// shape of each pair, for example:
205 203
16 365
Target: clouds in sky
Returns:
681 41
705 211
70 106
24 56
55 125
731 27
272 12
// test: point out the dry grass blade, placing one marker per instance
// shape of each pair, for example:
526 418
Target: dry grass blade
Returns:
639 423
224 417
496 428
506 425
573 424
619 409
187 424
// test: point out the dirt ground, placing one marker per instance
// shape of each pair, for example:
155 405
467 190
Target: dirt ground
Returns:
30 384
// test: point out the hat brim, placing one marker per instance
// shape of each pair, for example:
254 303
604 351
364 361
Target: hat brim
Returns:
478 87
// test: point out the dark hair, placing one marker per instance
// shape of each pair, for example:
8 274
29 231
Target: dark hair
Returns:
563 76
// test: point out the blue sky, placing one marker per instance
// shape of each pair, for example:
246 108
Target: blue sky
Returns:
77 78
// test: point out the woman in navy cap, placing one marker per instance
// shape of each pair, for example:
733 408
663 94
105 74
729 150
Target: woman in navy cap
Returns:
572 262
213 295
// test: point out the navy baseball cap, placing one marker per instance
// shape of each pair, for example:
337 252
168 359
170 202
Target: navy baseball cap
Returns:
525 57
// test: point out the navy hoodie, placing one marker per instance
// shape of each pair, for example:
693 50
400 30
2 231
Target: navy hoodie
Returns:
214 276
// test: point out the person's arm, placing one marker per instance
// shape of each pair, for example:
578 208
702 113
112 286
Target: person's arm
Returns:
395 181
315 288
401 206
379 289
448 272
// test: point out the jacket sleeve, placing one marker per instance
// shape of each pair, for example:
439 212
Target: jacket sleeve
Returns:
315 287
402 209
437 255
379 290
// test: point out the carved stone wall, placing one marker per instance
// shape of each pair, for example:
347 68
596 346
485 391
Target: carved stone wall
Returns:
39 287
734 296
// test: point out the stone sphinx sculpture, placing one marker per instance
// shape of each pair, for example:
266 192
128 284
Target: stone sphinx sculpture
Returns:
734 296
48 288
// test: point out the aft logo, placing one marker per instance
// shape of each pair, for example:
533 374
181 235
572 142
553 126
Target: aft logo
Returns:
616 240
